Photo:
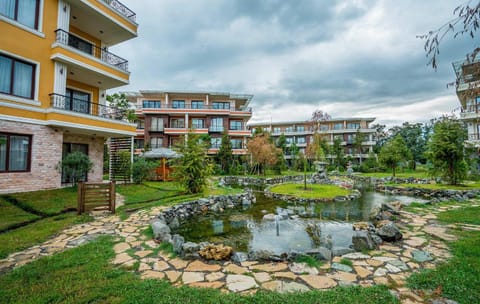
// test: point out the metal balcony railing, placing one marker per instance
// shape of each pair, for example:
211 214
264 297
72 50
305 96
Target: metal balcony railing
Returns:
162 105
75 42
68 103
122 9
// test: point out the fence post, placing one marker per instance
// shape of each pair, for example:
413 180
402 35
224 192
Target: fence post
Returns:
112 196
80 198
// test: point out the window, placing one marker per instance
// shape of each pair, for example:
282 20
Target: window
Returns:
215 142
289 140
350 138
323 127
156 124
141 124
197 104
16 77
178 104
15 152
216 124
301 140
300 129
198 123
151 104
289 129
139 143
236 143
156 142
74 147
221 105
354 126
77 101
177 123
338 126
235 125
22 11
276 130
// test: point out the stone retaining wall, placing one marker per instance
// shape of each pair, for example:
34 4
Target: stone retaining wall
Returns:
260 181
434 196
285 197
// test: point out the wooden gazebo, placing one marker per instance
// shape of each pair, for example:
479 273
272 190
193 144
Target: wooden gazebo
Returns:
163 154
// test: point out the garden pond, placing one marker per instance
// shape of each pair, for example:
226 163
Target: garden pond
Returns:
297 227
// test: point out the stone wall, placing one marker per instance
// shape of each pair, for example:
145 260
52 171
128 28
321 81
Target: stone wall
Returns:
46 154
290 198
259 181
434 196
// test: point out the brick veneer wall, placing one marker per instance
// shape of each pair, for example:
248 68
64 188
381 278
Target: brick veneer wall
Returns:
46 154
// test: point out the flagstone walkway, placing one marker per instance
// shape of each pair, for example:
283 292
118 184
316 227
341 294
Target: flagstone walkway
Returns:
424 246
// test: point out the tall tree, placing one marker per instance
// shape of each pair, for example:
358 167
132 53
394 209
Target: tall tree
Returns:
314 149
380 136
338 153
225 154
294 153
415 138
193 168
393 152
317 116
121 108
358 143
263 152
446 150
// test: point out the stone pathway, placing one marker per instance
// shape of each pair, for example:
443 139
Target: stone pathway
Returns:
424 245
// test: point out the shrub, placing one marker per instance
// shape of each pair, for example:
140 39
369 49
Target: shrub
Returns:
143 170
75 166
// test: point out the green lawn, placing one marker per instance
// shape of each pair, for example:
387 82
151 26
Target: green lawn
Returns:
313 190
84 275
406 174
48 201
135 193
11 215
466 186
459 278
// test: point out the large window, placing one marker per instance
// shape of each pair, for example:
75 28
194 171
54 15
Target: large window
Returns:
236 143
16 77
276 130
178 104
198 123
140 124
77 101
139 143
151 104
235 125
289 129
216 124
197 104
301 140
177 123
300 128
215 142
221 105
353 125
156 124
15 152
22 11
338 126
156 142
323 127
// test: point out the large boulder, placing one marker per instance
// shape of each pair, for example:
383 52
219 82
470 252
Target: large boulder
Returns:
159 229
362 241
216 252
177 242
389 232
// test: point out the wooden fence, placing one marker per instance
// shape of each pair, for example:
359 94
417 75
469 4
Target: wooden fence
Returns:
98 196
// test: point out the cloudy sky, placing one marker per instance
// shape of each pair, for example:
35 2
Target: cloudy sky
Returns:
348 58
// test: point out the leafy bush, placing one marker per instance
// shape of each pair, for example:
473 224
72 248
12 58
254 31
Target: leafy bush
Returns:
143 170
75 166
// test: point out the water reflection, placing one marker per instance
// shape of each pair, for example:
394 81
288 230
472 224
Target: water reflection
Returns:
302 227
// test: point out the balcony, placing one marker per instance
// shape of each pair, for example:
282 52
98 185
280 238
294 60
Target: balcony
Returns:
188 108
80 106
121 9
79 44
215 129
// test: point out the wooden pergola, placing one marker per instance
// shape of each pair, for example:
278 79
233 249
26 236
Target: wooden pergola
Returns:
163 154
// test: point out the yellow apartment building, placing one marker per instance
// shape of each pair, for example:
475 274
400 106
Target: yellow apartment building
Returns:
55 68
165 116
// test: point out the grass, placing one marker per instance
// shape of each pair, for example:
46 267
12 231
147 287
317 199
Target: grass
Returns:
84 275
346 262
313 190
148 191
37 232
11 215
467 186
309 260
405 174
49 202
459 278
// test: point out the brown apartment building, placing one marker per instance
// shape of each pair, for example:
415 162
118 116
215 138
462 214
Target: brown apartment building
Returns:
301 133
165 116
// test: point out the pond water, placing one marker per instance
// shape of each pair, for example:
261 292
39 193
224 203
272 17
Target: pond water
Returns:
307 226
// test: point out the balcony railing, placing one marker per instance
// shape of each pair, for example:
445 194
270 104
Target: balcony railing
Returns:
215 129
68 103
195 107
75 42
122 9
474 136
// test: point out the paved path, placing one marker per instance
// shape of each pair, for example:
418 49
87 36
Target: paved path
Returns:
424 245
